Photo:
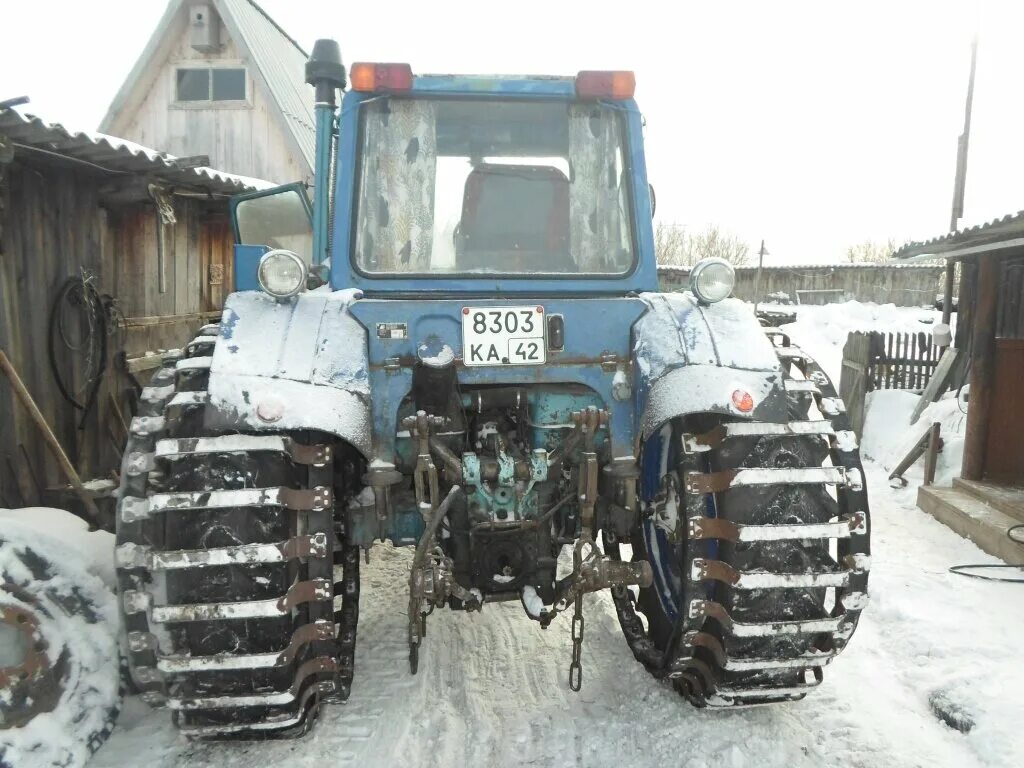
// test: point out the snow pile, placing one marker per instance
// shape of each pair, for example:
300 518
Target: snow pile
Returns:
52 566
96 547
889 435
822 331
886 423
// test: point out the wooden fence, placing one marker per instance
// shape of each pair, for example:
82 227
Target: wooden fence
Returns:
878 360
905 285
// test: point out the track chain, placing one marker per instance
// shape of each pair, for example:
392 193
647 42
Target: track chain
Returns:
698 656
299 635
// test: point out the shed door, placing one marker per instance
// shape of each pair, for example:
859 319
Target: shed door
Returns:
1004 451
216 247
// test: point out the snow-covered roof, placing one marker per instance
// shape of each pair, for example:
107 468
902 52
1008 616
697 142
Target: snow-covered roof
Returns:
116 156
1007 232
279 64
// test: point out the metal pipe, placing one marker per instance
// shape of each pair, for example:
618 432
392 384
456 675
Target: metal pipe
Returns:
451 461
947 293
92 512
432 525
325 111
325 72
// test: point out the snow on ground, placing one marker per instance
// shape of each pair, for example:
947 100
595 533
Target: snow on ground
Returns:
492 686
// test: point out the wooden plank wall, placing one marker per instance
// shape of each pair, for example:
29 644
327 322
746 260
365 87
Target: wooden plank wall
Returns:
903 285
246 138
55 225
1010 323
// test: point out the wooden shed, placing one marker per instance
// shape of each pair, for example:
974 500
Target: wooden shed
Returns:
107 250
988 497
221 78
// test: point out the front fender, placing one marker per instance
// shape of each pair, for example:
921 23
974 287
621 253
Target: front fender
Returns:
690 358
294 365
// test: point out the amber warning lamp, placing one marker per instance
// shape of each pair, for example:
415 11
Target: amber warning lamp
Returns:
391 77
593 84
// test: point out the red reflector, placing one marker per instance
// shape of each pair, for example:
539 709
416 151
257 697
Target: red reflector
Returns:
743 401
591 84
380 77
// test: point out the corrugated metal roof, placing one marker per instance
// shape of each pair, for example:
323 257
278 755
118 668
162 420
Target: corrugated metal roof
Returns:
116 156
282 64
976 238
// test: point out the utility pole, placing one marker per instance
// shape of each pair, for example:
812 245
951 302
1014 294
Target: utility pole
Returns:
757 280
962 144
959 183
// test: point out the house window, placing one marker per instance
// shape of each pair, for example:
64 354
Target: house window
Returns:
215 84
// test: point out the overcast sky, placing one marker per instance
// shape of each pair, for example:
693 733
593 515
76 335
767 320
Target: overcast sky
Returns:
814 125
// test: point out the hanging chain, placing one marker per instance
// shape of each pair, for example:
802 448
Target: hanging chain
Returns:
589 421
575 667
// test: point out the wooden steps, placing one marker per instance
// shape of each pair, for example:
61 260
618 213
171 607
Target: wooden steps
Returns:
971 517
1007 499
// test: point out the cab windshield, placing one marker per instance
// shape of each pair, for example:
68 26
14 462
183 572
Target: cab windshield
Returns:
475 186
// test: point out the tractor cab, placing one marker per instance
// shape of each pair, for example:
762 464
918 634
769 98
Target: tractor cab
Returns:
461 184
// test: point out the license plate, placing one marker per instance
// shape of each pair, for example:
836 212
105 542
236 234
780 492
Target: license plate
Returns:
503 336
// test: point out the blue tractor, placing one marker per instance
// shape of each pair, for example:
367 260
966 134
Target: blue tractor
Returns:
460 347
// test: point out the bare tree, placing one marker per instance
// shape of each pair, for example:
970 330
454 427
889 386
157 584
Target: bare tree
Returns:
871 251
714 242
671 245
675 247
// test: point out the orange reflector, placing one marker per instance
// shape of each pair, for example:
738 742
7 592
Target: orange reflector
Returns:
592 84
743 401
380 77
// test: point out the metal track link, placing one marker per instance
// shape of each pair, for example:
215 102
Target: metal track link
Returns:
135 556
837 626
313 455
716 528
305 634
716 482
311 499
268 699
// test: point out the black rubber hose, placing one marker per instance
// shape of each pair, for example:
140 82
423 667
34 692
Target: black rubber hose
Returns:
55 309
93 304
101 322
962 570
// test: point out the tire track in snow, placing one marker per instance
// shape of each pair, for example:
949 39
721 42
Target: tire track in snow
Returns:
492 691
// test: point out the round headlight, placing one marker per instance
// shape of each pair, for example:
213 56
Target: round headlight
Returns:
712 280
282 274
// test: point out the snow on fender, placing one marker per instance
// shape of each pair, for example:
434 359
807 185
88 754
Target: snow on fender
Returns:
59 680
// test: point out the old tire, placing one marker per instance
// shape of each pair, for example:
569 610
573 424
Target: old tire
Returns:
59 680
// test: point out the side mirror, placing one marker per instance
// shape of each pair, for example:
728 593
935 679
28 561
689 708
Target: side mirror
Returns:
654 199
